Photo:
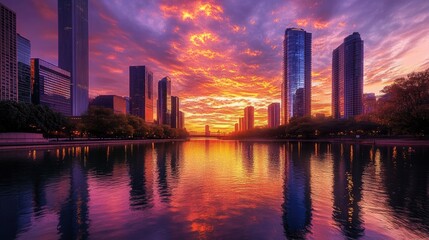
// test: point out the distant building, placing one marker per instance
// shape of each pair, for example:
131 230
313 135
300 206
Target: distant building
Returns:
347 77
73 50
175 109
141 92
116 103
236 129
241 124
181 120
369 103
24 84
249 118
51 86
207 130
8 59
164 101
296 86
274 115
127 104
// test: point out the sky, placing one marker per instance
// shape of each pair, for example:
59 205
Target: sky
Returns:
225 55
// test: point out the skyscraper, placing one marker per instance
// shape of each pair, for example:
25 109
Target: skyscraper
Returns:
274 115
296 86
241 124
181 120
8 63
24 84
51 86
164 101
141 92
175 112
73 49
249 118
347 77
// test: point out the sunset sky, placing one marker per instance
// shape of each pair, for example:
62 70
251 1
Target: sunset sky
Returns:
225 55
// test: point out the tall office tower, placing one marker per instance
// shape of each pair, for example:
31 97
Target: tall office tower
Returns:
236 127
164 101
175 108
274 115
73 49
207 130
296 86
181 120
51 86
141 92
116 103
24 84
347 77
8 63
369 102
249 117
241 124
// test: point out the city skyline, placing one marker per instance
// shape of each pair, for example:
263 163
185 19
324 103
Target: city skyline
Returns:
218 72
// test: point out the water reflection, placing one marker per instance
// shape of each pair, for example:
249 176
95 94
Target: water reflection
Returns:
215 189
297 191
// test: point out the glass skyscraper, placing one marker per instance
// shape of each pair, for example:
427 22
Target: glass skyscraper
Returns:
164 101
296 86
73 49
274 115
8 63
51 86
141 92
24 84
347 78
175 109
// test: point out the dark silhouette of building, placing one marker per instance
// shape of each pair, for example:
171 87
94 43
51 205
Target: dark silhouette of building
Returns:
296 86
8 63
116 103
207 130
274 115
241 124
181 120
141 92
164 101
51 86
347 77
249 118
369 103
73 49
175 107
24 84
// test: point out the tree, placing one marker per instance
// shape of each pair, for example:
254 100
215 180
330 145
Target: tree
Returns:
404 108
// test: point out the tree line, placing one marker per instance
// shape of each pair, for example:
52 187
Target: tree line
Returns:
97 122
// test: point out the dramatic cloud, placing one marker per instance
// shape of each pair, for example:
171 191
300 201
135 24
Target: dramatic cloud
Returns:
225 55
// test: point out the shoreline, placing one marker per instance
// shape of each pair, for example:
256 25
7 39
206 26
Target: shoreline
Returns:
90 142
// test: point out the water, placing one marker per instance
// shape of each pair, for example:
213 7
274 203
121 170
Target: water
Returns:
213 189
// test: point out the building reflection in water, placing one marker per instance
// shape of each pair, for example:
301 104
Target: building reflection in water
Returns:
296 191
140 172
248 156
274 159
347 189
73 219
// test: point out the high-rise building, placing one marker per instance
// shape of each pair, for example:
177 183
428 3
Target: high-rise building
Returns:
141 92
8 63
369 103
241 124
274 115
116 103
164 101
24 84
249 118
51 86
175 109
347 77
236 127
73 49
207 130
296 86
181 120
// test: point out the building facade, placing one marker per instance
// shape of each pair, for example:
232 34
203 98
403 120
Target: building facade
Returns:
141 92
116 103
24 59
181 120
369 103
347 77
296 86
175 109
249 118
51 86
241 124
164 101
8 59
274 115
73 50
